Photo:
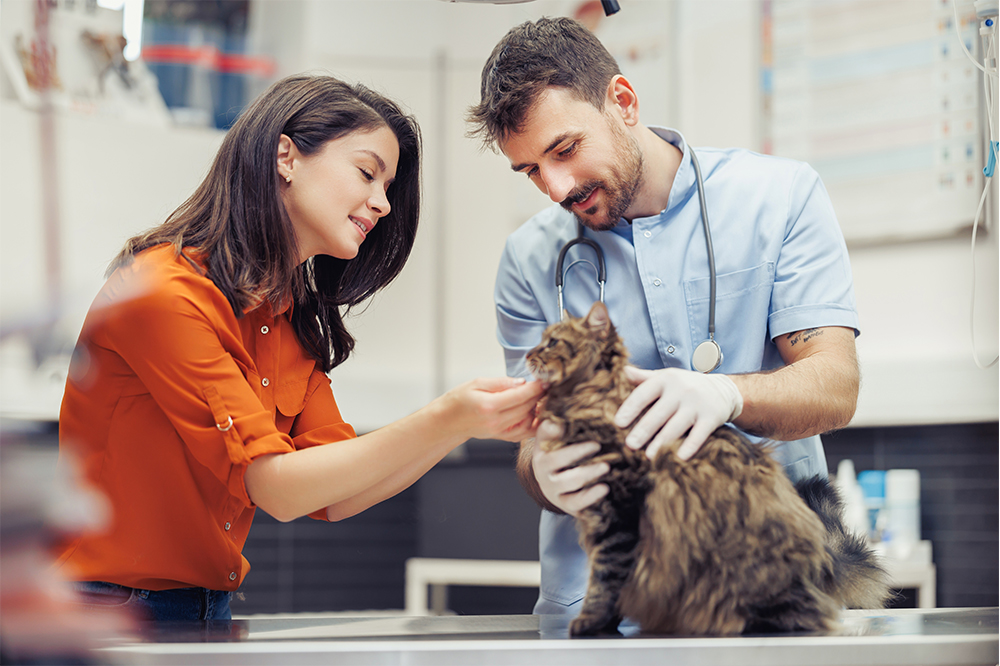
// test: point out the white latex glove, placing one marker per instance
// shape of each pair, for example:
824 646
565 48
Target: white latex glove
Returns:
681 400
566 487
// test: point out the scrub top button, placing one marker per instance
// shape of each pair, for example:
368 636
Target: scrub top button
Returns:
656 282
647 233
265 381
265 330
670 350
227 526
232 576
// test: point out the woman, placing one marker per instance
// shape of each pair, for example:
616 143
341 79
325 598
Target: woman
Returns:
198 389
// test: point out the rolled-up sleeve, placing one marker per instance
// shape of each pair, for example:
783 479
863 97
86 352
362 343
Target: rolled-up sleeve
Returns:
320 422
813 284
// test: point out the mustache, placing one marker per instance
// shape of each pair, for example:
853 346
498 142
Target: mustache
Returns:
580 194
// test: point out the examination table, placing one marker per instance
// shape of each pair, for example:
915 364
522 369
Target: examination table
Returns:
949 636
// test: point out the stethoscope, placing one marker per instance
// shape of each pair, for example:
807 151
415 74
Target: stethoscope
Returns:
707 355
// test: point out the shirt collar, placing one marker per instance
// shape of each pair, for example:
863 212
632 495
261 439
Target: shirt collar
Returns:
270 311
265 308
684 179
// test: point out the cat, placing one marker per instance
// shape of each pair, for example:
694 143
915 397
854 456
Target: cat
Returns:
720 544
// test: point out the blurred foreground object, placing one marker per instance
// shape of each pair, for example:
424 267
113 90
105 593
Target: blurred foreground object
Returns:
40 504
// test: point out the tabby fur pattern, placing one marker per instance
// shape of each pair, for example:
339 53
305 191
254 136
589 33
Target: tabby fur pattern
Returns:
720 544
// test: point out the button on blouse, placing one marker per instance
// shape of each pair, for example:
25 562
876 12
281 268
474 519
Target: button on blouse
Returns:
165 411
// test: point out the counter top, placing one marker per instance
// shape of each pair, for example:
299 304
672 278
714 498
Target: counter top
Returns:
908 636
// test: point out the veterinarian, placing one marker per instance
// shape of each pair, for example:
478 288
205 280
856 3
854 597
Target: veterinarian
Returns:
555 104
198 390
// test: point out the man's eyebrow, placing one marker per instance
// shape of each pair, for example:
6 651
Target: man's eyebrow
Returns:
378 160
552 146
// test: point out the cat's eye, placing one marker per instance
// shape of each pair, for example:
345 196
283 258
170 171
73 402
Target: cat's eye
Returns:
552 342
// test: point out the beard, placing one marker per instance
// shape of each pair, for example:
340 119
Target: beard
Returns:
620 186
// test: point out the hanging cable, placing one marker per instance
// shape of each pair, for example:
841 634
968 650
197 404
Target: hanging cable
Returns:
988 35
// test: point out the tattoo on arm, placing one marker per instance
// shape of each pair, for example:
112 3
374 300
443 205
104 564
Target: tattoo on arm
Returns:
803 336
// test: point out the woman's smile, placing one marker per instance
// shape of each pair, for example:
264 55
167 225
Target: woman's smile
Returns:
364 225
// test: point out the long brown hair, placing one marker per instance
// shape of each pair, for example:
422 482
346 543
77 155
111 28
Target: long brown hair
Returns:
235 220
530 58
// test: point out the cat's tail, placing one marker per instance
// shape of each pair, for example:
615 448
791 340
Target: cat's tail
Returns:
857 580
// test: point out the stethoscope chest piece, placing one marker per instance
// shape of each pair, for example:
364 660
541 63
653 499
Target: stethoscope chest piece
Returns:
707 356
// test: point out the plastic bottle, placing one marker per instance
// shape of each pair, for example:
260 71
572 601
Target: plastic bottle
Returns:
872 482
855 513
902 507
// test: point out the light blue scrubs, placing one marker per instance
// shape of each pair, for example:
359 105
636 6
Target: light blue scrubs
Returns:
781 265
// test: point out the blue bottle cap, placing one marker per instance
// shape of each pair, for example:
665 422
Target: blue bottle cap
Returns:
872 482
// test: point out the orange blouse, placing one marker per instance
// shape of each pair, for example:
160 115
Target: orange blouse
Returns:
169 398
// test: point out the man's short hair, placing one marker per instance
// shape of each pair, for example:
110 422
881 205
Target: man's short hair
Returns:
529 59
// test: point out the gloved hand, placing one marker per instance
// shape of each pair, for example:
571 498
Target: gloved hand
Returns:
681 400
566 487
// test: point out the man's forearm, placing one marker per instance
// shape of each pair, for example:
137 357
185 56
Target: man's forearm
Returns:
811 396
526 475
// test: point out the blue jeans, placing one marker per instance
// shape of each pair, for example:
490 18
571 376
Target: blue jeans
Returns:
186 603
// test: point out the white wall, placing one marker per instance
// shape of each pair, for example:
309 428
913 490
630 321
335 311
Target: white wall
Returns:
114 180
696 68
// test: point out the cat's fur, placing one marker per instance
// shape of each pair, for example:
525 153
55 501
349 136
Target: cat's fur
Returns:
720 544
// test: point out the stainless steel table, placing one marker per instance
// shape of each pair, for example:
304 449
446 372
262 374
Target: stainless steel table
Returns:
912 636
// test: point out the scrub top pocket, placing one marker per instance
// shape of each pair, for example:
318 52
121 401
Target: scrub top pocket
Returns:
742 303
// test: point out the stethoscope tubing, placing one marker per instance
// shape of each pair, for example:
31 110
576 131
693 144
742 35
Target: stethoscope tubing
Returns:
602 275
708 245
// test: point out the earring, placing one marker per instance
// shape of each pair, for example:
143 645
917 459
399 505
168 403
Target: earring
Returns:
288 179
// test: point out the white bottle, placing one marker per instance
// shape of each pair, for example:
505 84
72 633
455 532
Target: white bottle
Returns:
902 507
853 497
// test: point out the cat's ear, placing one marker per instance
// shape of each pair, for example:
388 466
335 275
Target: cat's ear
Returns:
598 319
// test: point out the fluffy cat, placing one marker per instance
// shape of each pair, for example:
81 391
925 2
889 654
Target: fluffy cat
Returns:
720 544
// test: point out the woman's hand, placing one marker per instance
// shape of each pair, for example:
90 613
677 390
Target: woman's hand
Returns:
491 408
